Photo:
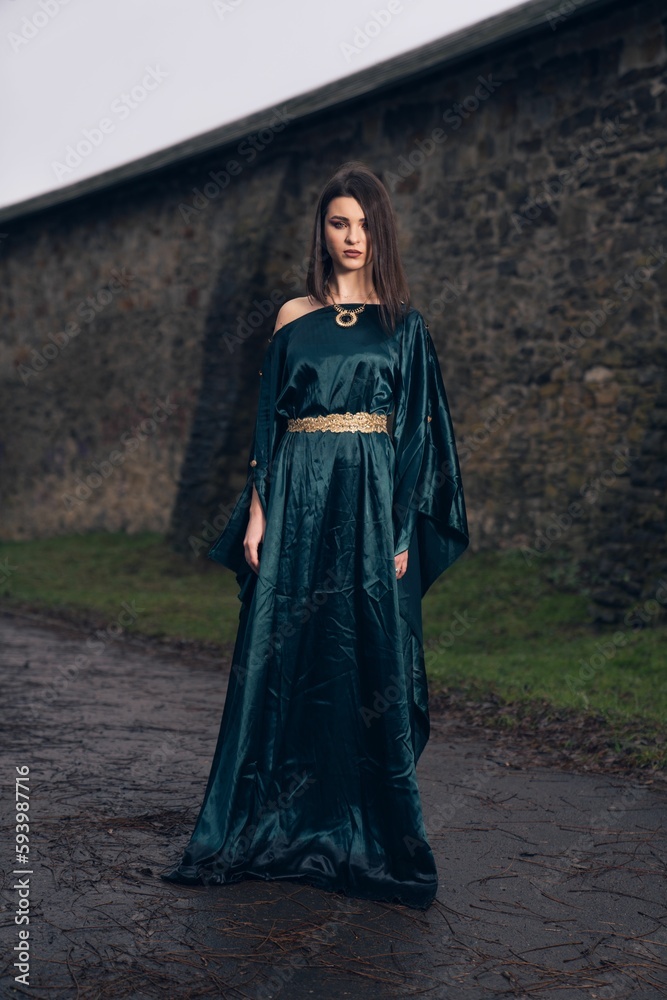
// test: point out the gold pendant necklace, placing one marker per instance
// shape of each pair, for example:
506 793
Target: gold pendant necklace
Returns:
345 316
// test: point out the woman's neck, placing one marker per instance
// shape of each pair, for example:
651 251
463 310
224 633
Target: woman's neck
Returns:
342 290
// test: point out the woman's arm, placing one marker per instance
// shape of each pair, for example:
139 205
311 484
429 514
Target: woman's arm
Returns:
257 518
255 532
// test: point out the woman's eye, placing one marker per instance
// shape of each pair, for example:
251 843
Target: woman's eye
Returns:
338 225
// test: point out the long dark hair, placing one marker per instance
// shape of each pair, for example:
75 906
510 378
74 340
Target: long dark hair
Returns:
355 180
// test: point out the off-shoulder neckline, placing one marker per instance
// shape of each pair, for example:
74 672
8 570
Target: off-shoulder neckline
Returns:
296 319
375 305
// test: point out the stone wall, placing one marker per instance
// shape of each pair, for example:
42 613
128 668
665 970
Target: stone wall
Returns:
529 185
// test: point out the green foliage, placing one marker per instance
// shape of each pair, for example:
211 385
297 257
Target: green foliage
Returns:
173 595
495 625
524 636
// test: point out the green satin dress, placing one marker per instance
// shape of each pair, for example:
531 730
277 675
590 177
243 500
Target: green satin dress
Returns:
313 778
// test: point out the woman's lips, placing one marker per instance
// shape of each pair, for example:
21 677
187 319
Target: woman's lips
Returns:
352 253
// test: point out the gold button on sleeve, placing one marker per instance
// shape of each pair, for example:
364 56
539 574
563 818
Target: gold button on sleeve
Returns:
254 462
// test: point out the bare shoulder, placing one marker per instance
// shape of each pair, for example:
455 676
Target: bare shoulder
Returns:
294 308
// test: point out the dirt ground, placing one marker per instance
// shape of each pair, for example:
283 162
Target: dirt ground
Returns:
552 882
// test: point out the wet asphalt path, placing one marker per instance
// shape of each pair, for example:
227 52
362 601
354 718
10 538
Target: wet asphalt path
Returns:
552 884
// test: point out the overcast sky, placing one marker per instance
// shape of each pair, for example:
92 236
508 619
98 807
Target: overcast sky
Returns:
160 71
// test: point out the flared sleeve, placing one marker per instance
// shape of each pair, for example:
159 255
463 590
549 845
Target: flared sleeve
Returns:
267 434
429 513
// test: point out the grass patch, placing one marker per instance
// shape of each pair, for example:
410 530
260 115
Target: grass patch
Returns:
511 646
495 626
497 631
101 572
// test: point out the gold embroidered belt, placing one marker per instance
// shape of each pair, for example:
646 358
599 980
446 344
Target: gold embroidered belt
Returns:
365 422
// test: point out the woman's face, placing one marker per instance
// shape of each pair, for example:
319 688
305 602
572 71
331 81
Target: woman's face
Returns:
346 235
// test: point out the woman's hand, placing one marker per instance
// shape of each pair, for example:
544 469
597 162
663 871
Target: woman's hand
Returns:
401 561
255 532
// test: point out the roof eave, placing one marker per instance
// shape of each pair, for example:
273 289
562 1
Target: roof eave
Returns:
521 20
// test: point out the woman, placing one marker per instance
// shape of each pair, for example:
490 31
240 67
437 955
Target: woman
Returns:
344 523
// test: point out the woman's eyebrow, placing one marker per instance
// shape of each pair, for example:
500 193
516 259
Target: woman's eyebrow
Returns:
345 218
